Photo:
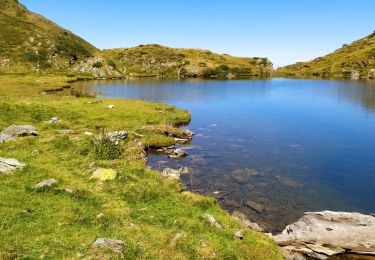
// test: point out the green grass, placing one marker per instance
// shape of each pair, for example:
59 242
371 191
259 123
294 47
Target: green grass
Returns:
139 207
358 56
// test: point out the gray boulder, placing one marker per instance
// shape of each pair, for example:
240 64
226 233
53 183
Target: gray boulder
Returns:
178 154
172 174
45 184
20 130
116 246
324 234
8 165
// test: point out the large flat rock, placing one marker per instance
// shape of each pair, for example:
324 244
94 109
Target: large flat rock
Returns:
327 233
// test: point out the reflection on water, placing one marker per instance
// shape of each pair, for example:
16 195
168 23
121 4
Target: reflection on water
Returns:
272 149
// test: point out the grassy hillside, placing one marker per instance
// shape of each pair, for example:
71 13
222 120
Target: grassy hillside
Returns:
154 217
157 60
355 60
30 42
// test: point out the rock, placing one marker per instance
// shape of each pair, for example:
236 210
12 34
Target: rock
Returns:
104 174
8 165
246 223
175 239
178 154
327 233
255 206
13 131
286 181
45 184
88 133
111 106
212 221
54 120
371 74
116 246
238 234
244 175
100 216
354 75
182 141
117 136
70 191
167 150
172 174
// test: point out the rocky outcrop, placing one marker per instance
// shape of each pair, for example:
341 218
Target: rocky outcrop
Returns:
245 222
13 131
8 165
324 234
116 246
114 137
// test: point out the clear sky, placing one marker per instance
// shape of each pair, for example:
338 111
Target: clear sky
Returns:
286 31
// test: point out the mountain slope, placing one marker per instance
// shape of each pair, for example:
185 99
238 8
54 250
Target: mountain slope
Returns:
29 41
157 60
355 60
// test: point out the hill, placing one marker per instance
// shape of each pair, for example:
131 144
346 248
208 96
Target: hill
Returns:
30 42
157 60
355 60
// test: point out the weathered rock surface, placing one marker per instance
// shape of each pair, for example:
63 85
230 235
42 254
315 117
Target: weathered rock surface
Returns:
13 131
116 246
114 137
173 174
212 221
8 165
255 206
178 154
45 184
246 223
104 174
54 120
327 233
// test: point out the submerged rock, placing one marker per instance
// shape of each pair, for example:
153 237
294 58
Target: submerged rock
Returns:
255 206
116 246
104 174
327 233
244 175
8 165
288 182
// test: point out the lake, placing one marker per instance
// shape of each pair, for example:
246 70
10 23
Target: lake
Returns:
272 149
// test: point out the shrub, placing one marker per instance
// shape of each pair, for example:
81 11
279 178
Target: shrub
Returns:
112 64
97 64
31 56
105 148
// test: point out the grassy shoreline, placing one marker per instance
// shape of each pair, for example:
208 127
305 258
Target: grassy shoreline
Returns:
139 207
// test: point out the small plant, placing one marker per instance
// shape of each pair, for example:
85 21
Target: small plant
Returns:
105 148
97 65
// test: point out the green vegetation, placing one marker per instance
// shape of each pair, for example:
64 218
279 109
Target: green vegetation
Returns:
157 60
139 207
350 61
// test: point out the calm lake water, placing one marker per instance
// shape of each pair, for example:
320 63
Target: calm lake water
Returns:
274 149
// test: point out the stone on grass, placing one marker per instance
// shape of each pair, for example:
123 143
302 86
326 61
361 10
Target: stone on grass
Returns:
116 246
20 130
246 223
212 221
238 234
111 106
327 233
8 165
114 137
45 184
54 120
104 174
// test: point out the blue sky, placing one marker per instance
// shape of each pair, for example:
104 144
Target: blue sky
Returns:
285 31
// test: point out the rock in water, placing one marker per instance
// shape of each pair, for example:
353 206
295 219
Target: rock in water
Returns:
327 233
178 154
246 223
255 206
172 174
10 164
104 174
116 246
20 130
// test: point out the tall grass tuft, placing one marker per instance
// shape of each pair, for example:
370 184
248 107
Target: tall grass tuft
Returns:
105 148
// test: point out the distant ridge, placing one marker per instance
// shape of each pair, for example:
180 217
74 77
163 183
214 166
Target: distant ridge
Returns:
355 61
